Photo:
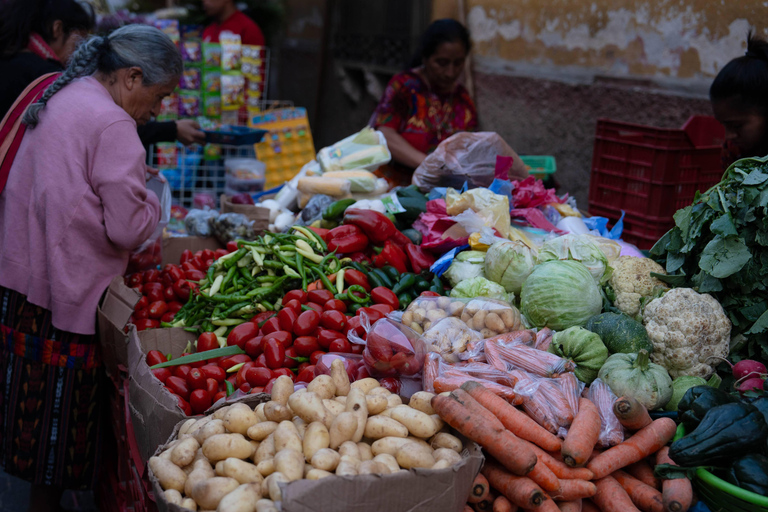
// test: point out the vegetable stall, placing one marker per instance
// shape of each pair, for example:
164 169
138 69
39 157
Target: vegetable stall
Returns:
482 349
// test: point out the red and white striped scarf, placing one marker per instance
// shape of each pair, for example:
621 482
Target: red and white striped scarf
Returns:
39 47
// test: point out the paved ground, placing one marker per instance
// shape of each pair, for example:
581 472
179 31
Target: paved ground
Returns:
14 497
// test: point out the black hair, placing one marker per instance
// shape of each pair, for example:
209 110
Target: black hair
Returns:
438 32
20 18
745 78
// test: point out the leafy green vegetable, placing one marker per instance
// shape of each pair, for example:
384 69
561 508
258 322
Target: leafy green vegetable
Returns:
719 245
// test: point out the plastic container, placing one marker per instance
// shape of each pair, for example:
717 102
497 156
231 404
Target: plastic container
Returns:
234 135
652 172
540 166
244 175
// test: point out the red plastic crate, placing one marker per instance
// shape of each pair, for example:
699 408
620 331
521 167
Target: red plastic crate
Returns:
637 231
653 172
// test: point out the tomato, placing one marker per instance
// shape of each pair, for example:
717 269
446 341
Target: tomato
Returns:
305 345
429 294
181 370
333 320
340 345
362 372
319 296
196 262
390 383
142 304
157 309
293 304
241 373
162 374
315 356
258 376
306 374
194 275
218 396
384 309
306 323
352 276
355 326
152 276
382 295
211 386
207 341
299 295
373 314
168 317
200 401
357 348
138 289
232 246
242 333
231 361
335 304
270 325
141 314
261 361
184 406
405 364
174 272
135 279
196 379
314 305
260 318
186 256
326 336
154 292
283 337
283 371
290 360
174 307
155 357
178 385
182 289
286 317
168 294
268 387
244 387
211 371
256 390
254 346
207 255
274 354
146 323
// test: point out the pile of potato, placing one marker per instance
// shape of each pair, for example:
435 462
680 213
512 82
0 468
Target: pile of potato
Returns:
489 317
235 459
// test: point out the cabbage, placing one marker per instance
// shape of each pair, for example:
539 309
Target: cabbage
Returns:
509 263
560 294
481 287
578 248
466 265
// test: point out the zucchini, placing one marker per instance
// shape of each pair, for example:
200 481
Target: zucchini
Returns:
620 333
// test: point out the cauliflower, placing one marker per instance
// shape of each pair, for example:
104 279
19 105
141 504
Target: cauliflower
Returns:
689 331
631 282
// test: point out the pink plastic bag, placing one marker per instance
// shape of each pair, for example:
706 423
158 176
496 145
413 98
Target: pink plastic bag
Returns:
611 431
530 193
507 352
433 224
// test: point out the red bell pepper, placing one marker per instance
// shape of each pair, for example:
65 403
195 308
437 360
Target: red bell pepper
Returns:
419 258
359 257
322 232
376 226
392 255
347 239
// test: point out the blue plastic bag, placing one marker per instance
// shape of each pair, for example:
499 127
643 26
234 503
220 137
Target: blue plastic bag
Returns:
601 225
441 265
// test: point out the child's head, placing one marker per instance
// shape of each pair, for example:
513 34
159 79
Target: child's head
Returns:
739 97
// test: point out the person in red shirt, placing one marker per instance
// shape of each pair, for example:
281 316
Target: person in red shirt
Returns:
226 17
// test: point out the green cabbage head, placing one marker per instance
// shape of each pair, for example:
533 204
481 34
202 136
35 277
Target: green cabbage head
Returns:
578 248
509 263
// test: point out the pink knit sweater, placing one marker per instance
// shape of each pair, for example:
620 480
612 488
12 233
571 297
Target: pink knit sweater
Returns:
75 205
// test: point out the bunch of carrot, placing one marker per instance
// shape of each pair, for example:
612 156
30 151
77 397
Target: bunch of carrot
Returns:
529 468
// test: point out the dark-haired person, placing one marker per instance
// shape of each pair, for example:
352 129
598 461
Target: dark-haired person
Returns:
227 17
739 97
75 204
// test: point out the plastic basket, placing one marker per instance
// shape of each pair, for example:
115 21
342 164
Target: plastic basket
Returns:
234 135
639 231
653 172
540 166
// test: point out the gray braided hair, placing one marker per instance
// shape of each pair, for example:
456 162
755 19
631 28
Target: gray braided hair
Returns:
133 45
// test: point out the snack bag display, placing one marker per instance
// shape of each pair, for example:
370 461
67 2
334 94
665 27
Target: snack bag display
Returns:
212 55
169 107
167 155
169 28
189 103
232 90
190 79
231 51
192 50
212 81
212 105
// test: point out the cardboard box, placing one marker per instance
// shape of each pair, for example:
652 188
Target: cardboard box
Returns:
113 314
258 214
418 490
174 246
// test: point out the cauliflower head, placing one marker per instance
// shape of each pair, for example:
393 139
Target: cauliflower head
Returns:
631 281
689 330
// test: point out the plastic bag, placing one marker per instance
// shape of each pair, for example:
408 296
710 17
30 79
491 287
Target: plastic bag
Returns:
197 222
572 389
534 404
232 226
466 156
440 376
487 316
391 349
531 193
450 337
491 209
353 363
506 352
436 226
611 431
149 254
543 338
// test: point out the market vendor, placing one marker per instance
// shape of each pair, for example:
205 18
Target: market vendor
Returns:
39 36
227 17
426 104
73 205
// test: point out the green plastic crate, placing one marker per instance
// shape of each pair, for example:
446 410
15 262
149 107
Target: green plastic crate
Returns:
541 166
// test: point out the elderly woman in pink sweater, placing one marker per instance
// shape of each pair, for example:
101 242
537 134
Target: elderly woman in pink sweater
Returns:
74 205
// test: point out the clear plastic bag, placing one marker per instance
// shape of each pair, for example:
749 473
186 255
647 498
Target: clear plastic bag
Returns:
197 222
543 338
232 226
392 349
440 376
506 352
489 317
450 337
611 431
534 404
353 363
478 208
149 254
572 389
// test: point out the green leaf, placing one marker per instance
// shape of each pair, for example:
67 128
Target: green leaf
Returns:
673 472
674 262
723 225
683 220
674 281
705 283
724 256
760 325
201 356
755 177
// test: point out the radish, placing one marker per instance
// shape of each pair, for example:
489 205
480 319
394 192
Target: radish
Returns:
751 384
747 368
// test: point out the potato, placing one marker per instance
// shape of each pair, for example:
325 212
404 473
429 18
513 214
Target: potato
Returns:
168 474
371 467
189 504
277 412
301 426
418 423
309 407
317 474
290 463
380 426
418 315
346 468
266 506
407 318
365 451
343 428
456 308
259 410
208 493
478 319
166 454
422 401
260 431
266 450
413 455
494 322
441 464
375 404
447 454
350 449
210 428
242 499
286 436
356 404
511 319
445 440
435 315
186 426
219 413
282 389
335 407
340 378
223 446
243 472
389 461
439 423
173 496
416 327
322 386
238 420
316 438
394 400
326 459
379 391
388 445
184 453
272 481
420 442
487 333
199 474
266 467
365 385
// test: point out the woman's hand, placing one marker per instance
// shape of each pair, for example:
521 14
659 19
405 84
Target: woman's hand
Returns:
188 132
401 149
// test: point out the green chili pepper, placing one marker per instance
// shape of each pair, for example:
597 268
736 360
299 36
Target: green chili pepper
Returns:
391 273
232 309
230 387
267 305
359 289
326 282
244 273
304 307
229 262
355 306
375 281
437 284
405 283
383 277
302 270
421 284
273 264
201 356
266 279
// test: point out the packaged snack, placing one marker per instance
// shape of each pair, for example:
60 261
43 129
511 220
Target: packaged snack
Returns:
391 349
167 155
212 105
232 226
212 81
611 431
189 103
232 90
231 51
191 32
192 50
212 55
190 78
170 28
169 107
196 222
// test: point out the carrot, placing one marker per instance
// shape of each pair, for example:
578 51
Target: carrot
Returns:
517 455
480 489
431 371
485 505
588 506
502 504
512 418
574 490
611 497
631 414
644 472
559 468
450 380
645 442
569 506
583 434
544 477
676 494
548 506
645 497
519 490
477 408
